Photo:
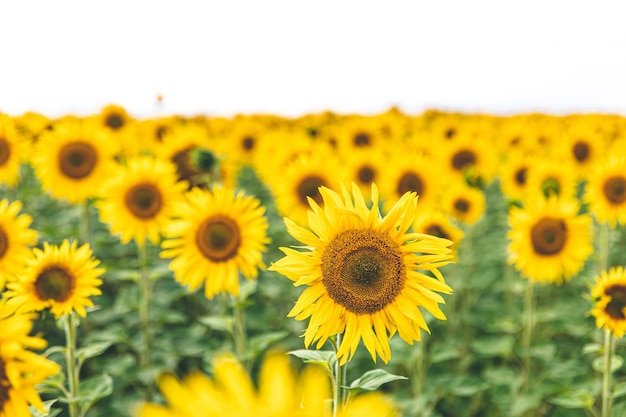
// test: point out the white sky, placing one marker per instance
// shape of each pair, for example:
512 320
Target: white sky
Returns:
295 57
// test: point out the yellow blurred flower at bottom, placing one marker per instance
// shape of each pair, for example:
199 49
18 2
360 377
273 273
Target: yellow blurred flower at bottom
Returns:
281 393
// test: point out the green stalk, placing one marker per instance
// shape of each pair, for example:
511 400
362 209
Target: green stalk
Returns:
604 235
529 319
340 373
145 292
84 232
70 323
239 330
606 373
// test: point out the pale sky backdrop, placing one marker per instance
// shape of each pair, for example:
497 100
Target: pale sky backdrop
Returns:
295 57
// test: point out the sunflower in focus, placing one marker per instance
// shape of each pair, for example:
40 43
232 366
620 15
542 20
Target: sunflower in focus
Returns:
606 191
12 151
20 368
216 235
73 160
609 295
282 392
548 240
60 277
16 238
463 203
138 201
362 272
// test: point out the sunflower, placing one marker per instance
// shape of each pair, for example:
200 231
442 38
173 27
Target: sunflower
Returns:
20 369
216 235
469 158
513 174
15 239
437 223
548 240
60 277
362 272
582 146
606 191
463 203
281 392
114 118
12 152
609 295
364 166
73 160
138 201
552 177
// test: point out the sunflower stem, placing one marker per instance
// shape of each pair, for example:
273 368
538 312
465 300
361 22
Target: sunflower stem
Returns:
145 291
70 322
606 373
604 235
340 373
529 318
239 330
84 232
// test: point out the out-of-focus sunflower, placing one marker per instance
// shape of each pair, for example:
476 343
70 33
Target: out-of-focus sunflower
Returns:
437 223
115 118
513 174
468 158
216 235
20 368
138 201
463 203
548 240
606 190
362 272
12 152
281 393
16 238
551 177
73 160
241 141
357 133
410 171
609 296
364 167
294 184
581 146
60 277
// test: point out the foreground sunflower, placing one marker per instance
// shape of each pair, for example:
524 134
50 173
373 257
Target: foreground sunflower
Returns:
20 369
216 235
138 201
281 393
609 295
16 238
362 272
548 240
60 277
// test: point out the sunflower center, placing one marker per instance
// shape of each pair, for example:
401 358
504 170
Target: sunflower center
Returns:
520 176
449 133
437 230
615 307
54 283
247 143
363 270
184 168
362 139
218 238
461 205
548 236
410 182
144 201
365 174
5 151
77 160
4 243
309 187
615 189
581 151
5 385
550 186
463 159
114 121
160 133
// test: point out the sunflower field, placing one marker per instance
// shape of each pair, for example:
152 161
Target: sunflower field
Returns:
441 264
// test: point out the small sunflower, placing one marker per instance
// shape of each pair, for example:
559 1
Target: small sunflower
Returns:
548 240
609 294
138 201
362 272
606 191
463 203
16 238
281 392
60 277
12 151
73 160
437 223
20 368
114 118
514 173
552 177
216 235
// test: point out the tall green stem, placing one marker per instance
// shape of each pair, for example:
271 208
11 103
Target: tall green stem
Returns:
529 319
70 322
145 292
340 373
606 373
84 232
239 330
604 235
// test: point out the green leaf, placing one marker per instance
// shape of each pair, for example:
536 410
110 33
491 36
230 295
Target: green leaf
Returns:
574 399
92 389
616 363
592 348
494 346
619 390
50 412
325 358
54 349
261 342
221 323
92 350
246 290
371 380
